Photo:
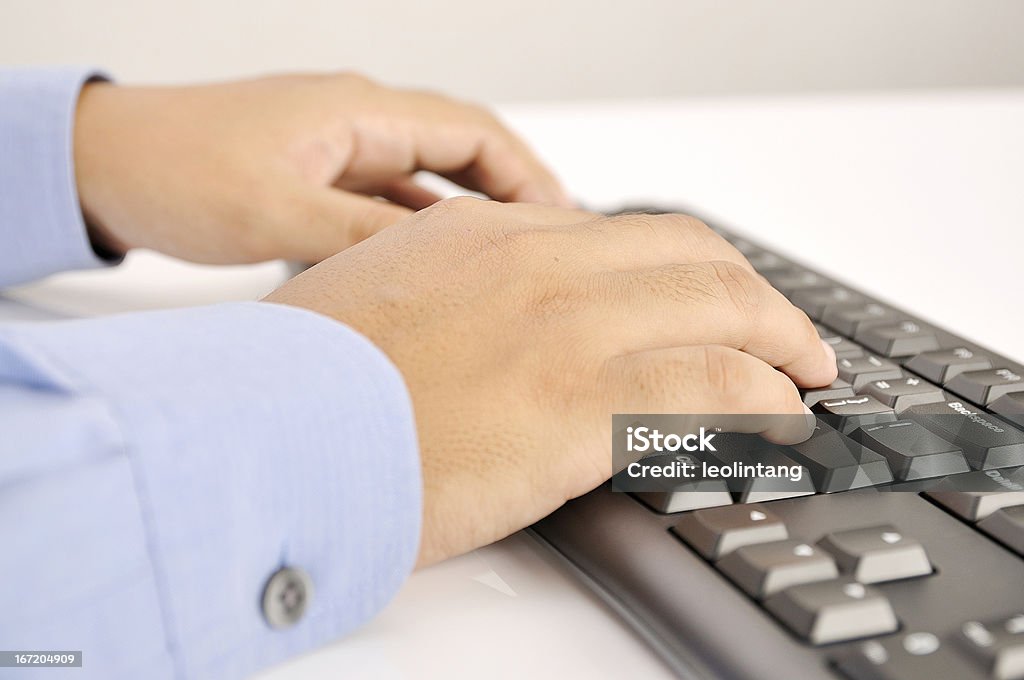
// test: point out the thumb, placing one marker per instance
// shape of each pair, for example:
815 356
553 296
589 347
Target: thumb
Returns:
326 221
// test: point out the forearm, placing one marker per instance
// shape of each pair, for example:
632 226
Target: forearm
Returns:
175 461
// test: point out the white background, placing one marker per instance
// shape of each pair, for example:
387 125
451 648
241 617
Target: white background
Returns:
512 50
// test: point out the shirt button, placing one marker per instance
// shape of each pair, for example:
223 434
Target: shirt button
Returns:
286 597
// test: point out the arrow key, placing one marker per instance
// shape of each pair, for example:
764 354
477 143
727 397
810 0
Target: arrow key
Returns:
877 554
833 611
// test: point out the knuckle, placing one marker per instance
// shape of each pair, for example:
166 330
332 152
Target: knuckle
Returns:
480 113
462 202
700 234
643 221
695 236
698 226
724 373
738 286
669 223
683 223
468 112
679 231
351 79
456 205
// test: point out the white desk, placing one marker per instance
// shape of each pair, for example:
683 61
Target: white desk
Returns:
919 198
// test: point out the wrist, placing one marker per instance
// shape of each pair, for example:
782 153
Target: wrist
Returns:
88 147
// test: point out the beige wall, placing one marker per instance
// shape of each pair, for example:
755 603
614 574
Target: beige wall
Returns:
538 49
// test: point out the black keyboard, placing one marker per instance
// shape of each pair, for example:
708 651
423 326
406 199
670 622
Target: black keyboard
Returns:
901 556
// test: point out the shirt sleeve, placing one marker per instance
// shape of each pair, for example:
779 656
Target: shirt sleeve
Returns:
156 469
41 226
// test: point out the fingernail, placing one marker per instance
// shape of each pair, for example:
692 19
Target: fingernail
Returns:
829 351
810 421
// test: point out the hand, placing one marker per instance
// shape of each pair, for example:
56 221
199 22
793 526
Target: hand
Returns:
520 329
280 167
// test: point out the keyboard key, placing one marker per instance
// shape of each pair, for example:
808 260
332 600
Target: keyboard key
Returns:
839 389
902 393
709 493
976 495
859 371
717 532
743 245
837 463
786 281
846 415
1007 526
945 364
764 262
814 300
917 655
847 319
987 441
670 495
844 349
897 340
984 387
760 489
998 644
912 451
766 568
877 554
1011 407
833 611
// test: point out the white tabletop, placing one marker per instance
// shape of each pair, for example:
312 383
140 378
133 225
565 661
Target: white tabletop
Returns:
915 198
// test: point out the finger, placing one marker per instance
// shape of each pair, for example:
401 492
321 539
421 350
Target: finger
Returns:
505 169
402 190
408 193
462 142
631 241
527 214
711 303
320 222
711 380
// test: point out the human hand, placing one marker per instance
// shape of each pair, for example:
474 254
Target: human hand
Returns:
280 167
520 329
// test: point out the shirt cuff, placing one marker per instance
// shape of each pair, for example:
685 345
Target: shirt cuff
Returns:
260 437
42 230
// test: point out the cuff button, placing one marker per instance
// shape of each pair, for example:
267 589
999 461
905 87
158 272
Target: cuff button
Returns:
286 597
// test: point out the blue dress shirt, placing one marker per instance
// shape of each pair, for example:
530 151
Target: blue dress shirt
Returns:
157 468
